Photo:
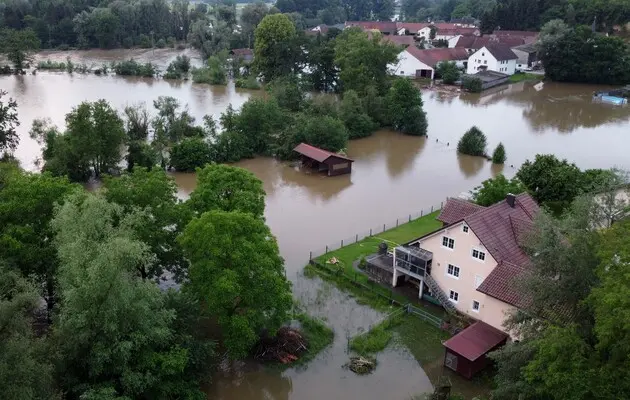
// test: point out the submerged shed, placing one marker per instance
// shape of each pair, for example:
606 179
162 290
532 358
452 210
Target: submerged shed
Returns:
324 161
466 352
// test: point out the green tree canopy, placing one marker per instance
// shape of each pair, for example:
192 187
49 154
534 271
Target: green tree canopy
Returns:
550 179
274 48
404 108
18 46
495 189
236 270
448 71
472 143
354 117
8 122
227 188
189 154
498 155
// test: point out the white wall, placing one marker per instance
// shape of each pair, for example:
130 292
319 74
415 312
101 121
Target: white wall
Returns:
425 33
483 58
453 41
407 65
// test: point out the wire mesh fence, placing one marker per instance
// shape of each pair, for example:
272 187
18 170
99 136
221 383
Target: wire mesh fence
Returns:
374 231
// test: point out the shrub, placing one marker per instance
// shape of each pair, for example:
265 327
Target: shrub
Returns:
63 47
247 82
472 143
161 44
323 104
182 63
324 132
404 108
498 156
448 71
170 42
440 43
288 92
213 74
127 42
144 41
472 84
358 123
69 65
189 154
133 68
51 65
172 72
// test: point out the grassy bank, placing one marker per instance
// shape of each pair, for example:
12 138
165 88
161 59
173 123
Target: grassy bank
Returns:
377 338
318 334
525 77
347 255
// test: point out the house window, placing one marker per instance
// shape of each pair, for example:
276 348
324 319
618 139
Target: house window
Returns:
402 72
483 54
453 296
448 242
475 306
479 255
485 61
478 281
465 228
453 271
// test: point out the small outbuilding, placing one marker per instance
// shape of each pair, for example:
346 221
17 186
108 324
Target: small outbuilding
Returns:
324 161
466 352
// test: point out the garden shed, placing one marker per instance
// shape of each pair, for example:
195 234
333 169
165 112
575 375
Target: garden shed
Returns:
323 161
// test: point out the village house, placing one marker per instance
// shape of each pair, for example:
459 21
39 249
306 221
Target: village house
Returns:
410 28
417 63
527 56
385 27
526 36
492 57
474 43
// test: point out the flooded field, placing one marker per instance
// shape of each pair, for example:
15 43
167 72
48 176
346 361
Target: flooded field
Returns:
393 176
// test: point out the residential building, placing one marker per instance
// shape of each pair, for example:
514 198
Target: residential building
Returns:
526 36
385 27
474 43
414 62
404 41
410 28
492 57
527 56
450 33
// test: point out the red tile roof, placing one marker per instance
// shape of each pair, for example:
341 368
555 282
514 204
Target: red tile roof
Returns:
457 209
400 40
316 153
457 31
474 42
526 36
383 26
502 284
476 340
412 27
433 56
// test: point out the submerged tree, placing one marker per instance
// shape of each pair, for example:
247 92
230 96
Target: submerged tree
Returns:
8 122
353 115
472 143
498 156
274 48
404 108
237 272
18 46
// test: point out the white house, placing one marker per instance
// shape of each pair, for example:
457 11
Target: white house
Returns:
492 57
417 63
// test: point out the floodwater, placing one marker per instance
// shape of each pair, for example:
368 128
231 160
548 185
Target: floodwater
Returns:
393 176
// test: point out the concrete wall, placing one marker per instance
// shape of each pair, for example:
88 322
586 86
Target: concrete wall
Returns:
407 65
471 273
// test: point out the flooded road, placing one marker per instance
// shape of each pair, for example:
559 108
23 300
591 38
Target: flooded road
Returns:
393 176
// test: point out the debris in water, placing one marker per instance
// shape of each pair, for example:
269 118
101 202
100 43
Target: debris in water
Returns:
361 365
285 347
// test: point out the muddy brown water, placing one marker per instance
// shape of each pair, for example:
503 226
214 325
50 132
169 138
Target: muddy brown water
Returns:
393 176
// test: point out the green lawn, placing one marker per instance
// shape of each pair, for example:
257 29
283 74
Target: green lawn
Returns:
376 339
525 77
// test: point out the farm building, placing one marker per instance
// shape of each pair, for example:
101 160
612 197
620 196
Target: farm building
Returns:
324 161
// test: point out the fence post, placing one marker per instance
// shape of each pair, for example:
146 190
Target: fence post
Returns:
356 239
396 222
310 255
326 249
431 208
383 227
409 217
421 213
341 242
370 232
441 205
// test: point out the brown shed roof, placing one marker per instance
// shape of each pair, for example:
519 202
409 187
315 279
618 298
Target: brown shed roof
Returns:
318 154
476 340
457 209
432 57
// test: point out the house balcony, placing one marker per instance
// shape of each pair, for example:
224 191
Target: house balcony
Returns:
413 260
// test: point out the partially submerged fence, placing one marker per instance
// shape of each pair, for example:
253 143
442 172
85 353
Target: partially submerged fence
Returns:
430 318
374 231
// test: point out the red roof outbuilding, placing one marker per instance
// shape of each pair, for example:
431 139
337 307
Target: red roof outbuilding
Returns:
476 341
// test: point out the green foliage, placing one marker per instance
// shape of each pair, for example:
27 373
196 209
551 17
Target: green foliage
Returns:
363 60
472 84
247 82
9 138
18 46
472 143
373 341
90 145
51 65
134 68
236 270
448 71
189 154
551 180
325 132
602 59
498 155
214 73
26 371
274 49
404 108
113 329
161 44
226 188
288 92
496 189
258 123
352 113
178 68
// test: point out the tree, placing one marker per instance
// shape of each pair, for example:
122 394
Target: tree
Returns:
496 189
274 52
498 155
236 270
363 60
154 192
353 115
551 180
472 143
324 74
226 188
325 132
9 139
251 15
432 32
190 154
448 71
113 330
383 10
27 201
26 371
18 46
404 105
288 92
472 84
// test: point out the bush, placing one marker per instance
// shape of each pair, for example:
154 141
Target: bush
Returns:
472 143
357 122
133 68
324 132
161 44
440 43
449 72
189 154
51 65
404 108
144 41
182 63
288 92
249 82
214 73
170 42
472 84
127 42
323 104
498 156
63 47
172 72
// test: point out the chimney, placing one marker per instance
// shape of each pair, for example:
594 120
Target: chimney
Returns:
511 199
